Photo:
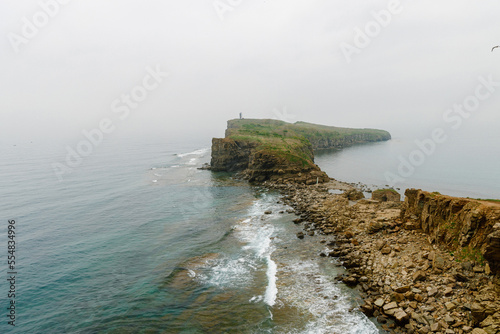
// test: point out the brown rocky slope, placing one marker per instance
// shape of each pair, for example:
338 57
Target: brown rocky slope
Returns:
412 282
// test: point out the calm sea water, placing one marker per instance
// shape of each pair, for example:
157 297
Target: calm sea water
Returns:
466 165
137 240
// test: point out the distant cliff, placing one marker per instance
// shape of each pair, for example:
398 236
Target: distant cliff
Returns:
281 152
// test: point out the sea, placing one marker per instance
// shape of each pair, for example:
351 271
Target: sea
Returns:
137 239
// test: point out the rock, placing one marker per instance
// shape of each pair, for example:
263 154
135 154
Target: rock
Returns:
390 306
435 327
450 306
268 212
374 227
478 331
381 319
398 297
403 289
467 266
438 262
448 291
350 281
487 269
379 302
411 226
384 195
478 269
461 277
432 291
418 297
354 195
448 319
401 316
409 295
419 276
386 250
300 235
367 308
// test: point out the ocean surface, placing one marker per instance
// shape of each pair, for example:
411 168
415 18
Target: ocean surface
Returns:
138 240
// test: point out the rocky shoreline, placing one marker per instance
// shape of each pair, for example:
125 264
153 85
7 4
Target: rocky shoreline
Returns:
410 280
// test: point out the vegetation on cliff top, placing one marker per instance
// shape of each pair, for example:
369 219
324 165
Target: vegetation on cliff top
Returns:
295 142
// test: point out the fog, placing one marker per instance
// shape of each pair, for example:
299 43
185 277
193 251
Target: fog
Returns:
68 65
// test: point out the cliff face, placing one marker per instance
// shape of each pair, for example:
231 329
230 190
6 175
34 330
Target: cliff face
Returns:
261 164
348 140
230 155
324 137
468 227
281 152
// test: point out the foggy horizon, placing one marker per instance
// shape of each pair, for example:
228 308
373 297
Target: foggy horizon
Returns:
268 59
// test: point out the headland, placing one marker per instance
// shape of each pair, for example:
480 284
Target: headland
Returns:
430 264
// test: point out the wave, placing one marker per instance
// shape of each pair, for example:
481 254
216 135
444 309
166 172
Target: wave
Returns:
200 151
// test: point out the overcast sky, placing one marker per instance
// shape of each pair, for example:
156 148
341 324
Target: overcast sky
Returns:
264 58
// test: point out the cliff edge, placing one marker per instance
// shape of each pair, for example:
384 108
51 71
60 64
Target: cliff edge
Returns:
273 150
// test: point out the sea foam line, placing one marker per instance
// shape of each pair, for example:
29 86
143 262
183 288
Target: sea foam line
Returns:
271 289
197 152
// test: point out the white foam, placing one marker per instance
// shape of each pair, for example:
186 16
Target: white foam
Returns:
271 289
192 162
197 152
331 315
257 234
228 273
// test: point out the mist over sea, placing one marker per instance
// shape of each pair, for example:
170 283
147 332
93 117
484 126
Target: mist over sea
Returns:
136 238
467 164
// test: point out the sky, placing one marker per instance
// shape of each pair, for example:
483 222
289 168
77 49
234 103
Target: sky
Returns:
178 69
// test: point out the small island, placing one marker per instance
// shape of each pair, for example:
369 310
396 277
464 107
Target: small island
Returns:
277 151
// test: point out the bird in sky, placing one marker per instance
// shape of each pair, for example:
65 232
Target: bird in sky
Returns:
498 46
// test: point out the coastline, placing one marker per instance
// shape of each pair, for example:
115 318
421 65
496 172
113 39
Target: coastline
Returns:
409 283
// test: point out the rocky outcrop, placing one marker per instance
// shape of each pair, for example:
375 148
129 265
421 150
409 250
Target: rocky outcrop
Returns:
259 165
276 151
386 195
470 228
230 155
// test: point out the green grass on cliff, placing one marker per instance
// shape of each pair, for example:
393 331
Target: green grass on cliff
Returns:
295 142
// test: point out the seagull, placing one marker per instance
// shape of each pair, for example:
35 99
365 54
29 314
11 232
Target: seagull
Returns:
498 46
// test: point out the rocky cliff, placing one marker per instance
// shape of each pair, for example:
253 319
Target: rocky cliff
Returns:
281 152
469 228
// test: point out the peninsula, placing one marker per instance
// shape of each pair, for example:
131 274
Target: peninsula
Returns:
428 264
281 152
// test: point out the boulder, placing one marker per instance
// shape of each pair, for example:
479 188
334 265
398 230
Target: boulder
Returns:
386 195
